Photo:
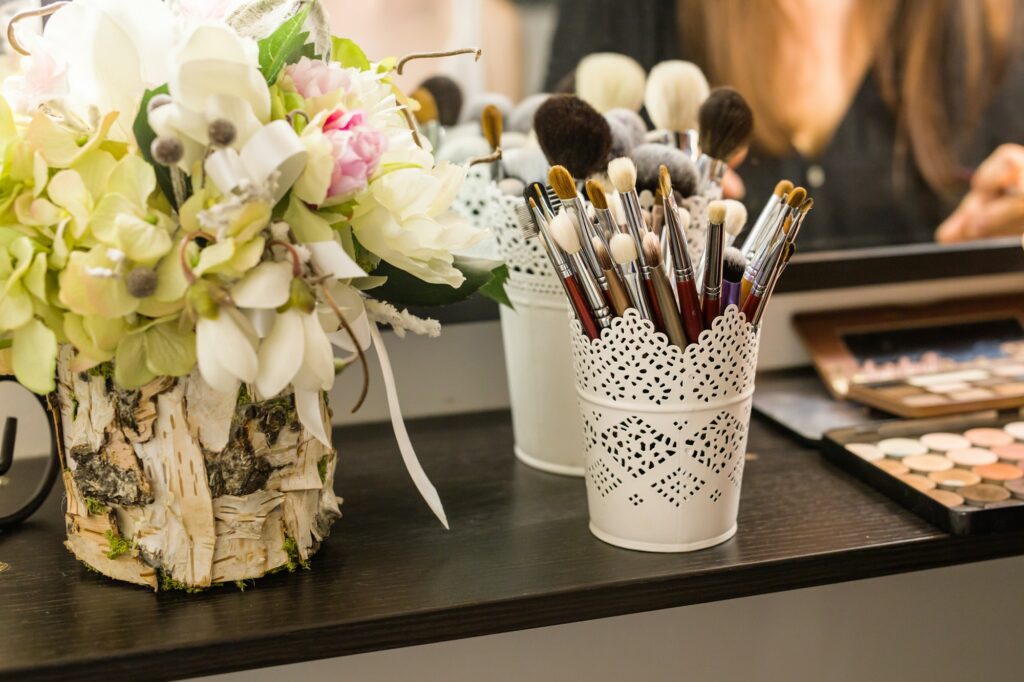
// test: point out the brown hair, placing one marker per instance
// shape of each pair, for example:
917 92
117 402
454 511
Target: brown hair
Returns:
938 63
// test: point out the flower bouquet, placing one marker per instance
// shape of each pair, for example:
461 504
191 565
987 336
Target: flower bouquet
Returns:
200 201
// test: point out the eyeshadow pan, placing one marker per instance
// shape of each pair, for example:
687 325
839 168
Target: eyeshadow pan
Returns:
898 392
948 377
950 388
945 497
1010 390
1016 488
925 400
1011 454
1015 429
972 395
926 464
1007 370
893 467
865 451
972 457
984 494
919 482
944 442
986 438
902 447
954 479
998 473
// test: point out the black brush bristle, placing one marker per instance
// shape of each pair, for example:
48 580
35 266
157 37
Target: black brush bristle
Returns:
649 158
572 134
734 263
448 96
726 124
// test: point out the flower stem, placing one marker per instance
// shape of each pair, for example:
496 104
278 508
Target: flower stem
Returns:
186 268
296 260
475 51
28 14
355 342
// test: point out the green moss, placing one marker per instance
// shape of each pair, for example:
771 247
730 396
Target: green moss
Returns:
243 396
242 585
104 369
95 507
291 548
321 468
169 584
118 544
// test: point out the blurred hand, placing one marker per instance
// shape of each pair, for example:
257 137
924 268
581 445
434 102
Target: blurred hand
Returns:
994 207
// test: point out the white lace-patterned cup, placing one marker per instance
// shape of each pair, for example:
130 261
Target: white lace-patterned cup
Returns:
665 431
545 418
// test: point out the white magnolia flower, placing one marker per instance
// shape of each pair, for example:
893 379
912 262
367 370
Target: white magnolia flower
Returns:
226 350
405 219
215 76
113 50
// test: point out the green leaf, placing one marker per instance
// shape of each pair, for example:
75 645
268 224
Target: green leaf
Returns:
495 288
348 54
405 289
130 370
169 352
145 135
34 357
284 46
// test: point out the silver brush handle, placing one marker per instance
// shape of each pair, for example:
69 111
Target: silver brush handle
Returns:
636 293
592 291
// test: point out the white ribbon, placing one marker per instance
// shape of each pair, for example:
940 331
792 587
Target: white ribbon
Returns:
273 152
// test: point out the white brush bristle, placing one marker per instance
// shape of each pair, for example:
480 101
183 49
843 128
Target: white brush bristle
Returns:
622 173
684 216
615 206
717 211
607 80
675 91
735 216
623 249
563 229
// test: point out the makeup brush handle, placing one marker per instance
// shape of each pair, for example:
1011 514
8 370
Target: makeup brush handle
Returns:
689 303
750 306
730 293
579 304
617 295
745 288
712 309
667 303
652 301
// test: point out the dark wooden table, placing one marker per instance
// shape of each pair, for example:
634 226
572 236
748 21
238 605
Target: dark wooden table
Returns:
518 556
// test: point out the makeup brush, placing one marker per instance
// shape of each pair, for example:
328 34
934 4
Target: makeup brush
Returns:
787 256
616 289
649 158
675 91
521 117
663 290
461 149
750 243
622 173
568 239
427 116
474 108
618 212
734 264
572 134
448 97
526 163
711 301
779 226
752 303
565 187
533 223
624 253
726 125
547 200
491 126
607 80
599 200
676 221
735 220
628 131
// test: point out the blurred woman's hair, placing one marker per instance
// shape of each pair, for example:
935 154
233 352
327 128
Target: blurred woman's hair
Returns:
938 63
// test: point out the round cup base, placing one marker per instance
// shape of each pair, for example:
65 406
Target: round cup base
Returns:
664 548
548 467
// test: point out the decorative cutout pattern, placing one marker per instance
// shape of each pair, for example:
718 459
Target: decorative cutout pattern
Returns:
529 269
475 194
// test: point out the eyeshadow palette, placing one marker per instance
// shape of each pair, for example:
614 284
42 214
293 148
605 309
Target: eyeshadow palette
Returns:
964 474
944 358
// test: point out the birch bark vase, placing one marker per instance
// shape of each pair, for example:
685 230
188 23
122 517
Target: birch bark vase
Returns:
176 485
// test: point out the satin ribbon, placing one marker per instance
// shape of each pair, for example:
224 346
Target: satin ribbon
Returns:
273 151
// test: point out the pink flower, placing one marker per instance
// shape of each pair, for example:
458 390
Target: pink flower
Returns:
314 78
358 148
43 78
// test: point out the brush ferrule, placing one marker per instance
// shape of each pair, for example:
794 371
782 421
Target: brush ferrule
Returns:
635 221
587 231
677 242
713 261
636 293
756 234
689 143
711 173
591 289
607 220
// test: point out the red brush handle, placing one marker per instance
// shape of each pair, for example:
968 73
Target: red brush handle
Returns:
652 301
750 306
579 304
691 313
712 309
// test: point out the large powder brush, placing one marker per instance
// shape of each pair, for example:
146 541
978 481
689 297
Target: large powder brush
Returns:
447 96
726 124
572 134
607 80
649 158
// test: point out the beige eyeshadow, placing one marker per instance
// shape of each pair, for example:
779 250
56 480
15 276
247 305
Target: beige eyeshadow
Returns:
919 482
972 395
926 464
998 473
946 497
950 388
1011 454
892 467
925 400
983 494
1016 488
971 457
944 442
1015 429
954 478
986 438
865 451
1007 370
902 447
898 392
948 377
1010 390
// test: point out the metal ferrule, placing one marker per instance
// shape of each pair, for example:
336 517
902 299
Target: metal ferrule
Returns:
607 221
681 262
689 143
711 173
749 247
764 277
635 224
558 260
586 231
763 250
592 291
636 293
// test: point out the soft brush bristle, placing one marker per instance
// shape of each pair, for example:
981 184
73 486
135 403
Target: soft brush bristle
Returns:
796 197
783 188
664 181
675 91
735 216
623 249
564 233
607 80
622 173
717 211
596 195
492 125
561 181
652 249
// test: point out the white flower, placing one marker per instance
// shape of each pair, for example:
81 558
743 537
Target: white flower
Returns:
226 350
113 50
215 76
42 79
405 219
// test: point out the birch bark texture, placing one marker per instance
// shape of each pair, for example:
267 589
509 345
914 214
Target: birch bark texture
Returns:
178 485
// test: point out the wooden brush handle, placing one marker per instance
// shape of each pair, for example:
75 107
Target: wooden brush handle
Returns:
652 301
673 323
579 303
712 309
618 298
750 306
689 301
